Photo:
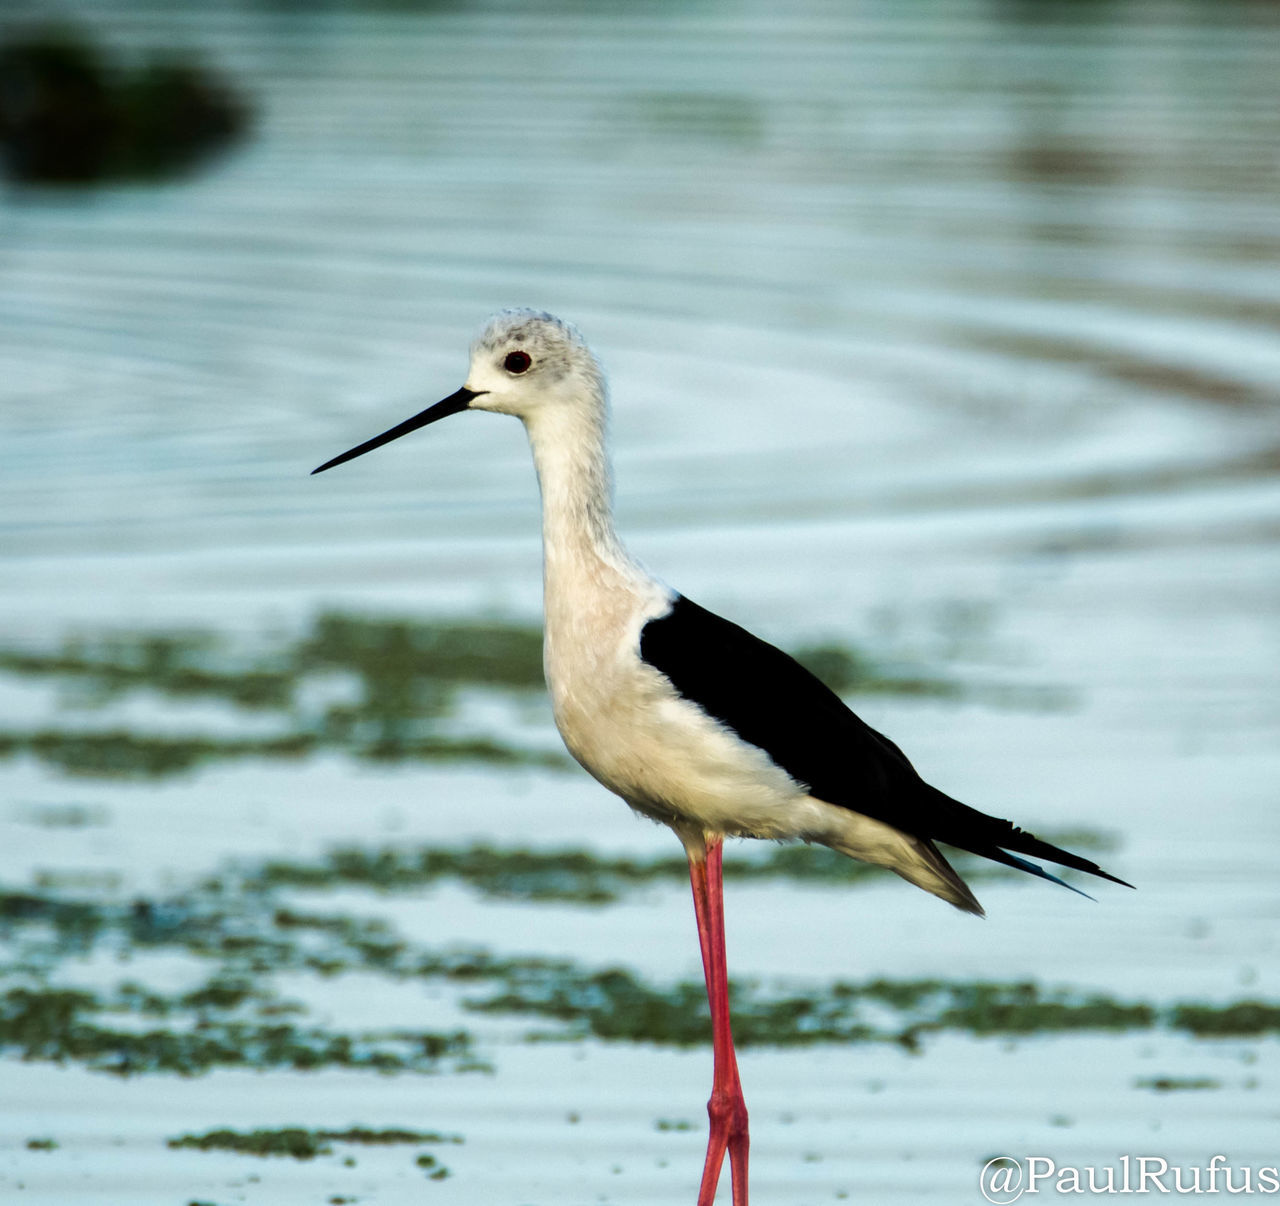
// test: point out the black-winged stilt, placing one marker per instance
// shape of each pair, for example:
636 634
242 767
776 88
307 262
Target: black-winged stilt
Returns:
690 719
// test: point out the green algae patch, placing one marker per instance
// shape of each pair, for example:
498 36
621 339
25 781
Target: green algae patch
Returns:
179 665
1243 1019
120 754
219 994
239 929
511 873
65 1026
1177 1084
398 680
1026 1009
302 1144
579 876
388 1136
614 1004
403 667
377 688
291 1141
399 652
77 923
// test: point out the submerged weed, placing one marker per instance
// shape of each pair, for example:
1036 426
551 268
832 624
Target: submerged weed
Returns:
240 927
62 1026
1241 1019
1025 1009
560 875
614 1004
397 681
291 1141
579 876
124 755
299 1143
1170 1084
303 1144
401 679
173 664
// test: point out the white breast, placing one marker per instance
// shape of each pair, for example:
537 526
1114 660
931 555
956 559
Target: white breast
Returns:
626 724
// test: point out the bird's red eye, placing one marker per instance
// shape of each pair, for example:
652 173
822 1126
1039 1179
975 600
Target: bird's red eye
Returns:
517 362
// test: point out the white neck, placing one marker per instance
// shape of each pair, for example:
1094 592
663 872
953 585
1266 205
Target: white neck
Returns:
595 596
578 537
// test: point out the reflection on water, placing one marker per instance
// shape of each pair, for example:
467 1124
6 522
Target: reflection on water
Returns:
69 116
943 331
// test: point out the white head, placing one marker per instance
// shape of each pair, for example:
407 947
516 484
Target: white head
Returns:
526 360
524 363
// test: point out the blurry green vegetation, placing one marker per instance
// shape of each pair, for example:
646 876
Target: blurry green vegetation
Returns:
1244 1018
375 688
445 654
396 682
614 1004
583 877
246 935
1025 1009
304 1144
63 1025
120 754
1171 1084
288 1141
562 875
178 665
723 117
69 116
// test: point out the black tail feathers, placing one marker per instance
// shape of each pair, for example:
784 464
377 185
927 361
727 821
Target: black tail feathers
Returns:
959 825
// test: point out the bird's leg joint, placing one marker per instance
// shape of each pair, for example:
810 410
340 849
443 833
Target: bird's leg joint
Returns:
727 1110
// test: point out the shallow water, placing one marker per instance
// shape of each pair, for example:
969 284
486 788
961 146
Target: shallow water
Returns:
942 333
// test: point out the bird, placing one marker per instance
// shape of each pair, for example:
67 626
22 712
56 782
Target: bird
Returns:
689 718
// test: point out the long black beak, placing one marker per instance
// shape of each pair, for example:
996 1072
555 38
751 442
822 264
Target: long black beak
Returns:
441 410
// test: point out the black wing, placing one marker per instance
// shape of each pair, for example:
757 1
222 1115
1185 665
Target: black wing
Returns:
772 702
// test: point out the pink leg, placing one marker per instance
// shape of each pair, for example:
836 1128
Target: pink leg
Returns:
727 1109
